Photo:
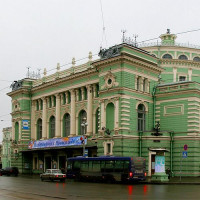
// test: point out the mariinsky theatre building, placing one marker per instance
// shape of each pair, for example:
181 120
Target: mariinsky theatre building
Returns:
132 101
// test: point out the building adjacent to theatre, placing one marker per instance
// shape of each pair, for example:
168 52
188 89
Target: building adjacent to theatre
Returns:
6 147
131 102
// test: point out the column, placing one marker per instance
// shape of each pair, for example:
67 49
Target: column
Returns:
117 113
148 85
58 125
136 86
73 114
94 90
103 115
13 130
190 74
20 129
33 131
44 119
82 93
174 72
94 123
89 110
76 95
66 95
142 84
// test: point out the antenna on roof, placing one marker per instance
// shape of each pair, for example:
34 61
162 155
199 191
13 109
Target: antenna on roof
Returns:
28 73
123 35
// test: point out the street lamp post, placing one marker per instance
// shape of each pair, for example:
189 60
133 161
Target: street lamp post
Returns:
84 125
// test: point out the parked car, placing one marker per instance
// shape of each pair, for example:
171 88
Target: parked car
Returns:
9 171
52 175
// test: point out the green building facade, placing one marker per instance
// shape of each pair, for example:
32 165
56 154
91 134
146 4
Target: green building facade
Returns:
6 147
130 102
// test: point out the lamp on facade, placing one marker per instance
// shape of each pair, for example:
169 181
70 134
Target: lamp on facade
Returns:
84 125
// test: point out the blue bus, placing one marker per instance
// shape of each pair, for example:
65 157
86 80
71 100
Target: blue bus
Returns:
107 168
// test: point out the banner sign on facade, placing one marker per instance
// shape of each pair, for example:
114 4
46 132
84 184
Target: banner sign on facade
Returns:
160 164
57 142
25 124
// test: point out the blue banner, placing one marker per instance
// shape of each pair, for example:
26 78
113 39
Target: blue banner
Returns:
57 142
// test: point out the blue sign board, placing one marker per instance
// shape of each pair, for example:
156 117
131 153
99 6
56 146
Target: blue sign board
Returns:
86 153
25 124
184 155
57 142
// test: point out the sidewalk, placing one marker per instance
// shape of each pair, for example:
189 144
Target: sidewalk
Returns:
177 180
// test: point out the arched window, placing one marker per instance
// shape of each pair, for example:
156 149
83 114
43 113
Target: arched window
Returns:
167 56
17 131
97 121
52 127
141 117
39 129
182 57
110 116
66 125
82 120
197 59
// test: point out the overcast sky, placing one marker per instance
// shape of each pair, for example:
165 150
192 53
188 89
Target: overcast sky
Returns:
41 33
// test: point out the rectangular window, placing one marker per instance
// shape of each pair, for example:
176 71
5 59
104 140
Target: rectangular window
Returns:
182 78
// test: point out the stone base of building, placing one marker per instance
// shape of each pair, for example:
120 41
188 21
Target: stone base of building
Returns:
159 177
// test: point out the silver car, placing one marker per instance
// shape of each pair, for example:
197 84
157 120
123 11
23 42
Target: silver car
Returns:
53 174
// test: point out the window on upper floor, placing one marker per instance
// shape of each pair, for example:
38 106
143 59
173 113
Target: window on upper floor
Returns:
167 56
141 117
182 78
183 57
66 125
197 59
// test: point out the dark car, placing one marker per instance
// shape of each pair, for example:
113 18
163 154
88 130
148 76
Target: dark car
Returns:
9 171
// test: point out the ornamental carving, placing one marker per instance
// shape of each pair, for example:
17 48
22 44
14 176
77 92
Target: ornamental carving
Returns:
109 53
16 105
110 81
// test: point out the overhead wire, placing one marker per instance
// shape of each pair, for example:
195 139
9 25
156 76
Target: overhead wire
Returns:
174 33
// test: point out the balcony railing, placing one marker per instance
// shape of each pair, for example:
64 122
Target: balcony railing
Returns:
141 45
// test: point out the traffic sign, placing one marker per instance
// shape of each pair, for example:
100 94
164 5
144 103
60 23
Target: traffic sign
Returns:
184 155
185 147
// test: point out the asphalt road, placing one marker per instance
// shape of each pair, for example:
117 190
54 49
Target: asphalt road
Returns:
28 187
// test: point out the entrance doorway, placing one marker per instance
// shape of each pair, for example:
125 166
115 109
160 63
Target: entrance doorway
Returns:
62 162
48 162
153 163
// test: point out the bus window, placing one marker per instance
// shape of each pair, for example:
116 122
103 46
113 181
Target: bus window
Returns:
102 166
119 166
109 166
84 166
126 166
76 165
96 166
69 166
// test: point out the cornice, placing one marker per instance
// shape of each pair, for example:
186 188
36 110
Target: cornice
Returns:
180 92
124 57
64 79
19 91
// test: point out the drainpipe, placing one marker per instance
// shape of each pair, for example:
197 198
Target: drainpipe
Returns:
154 106
171 152
140 143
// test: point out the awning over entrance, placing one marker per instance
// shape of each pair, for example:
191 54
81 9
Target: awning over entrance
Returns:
158 149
